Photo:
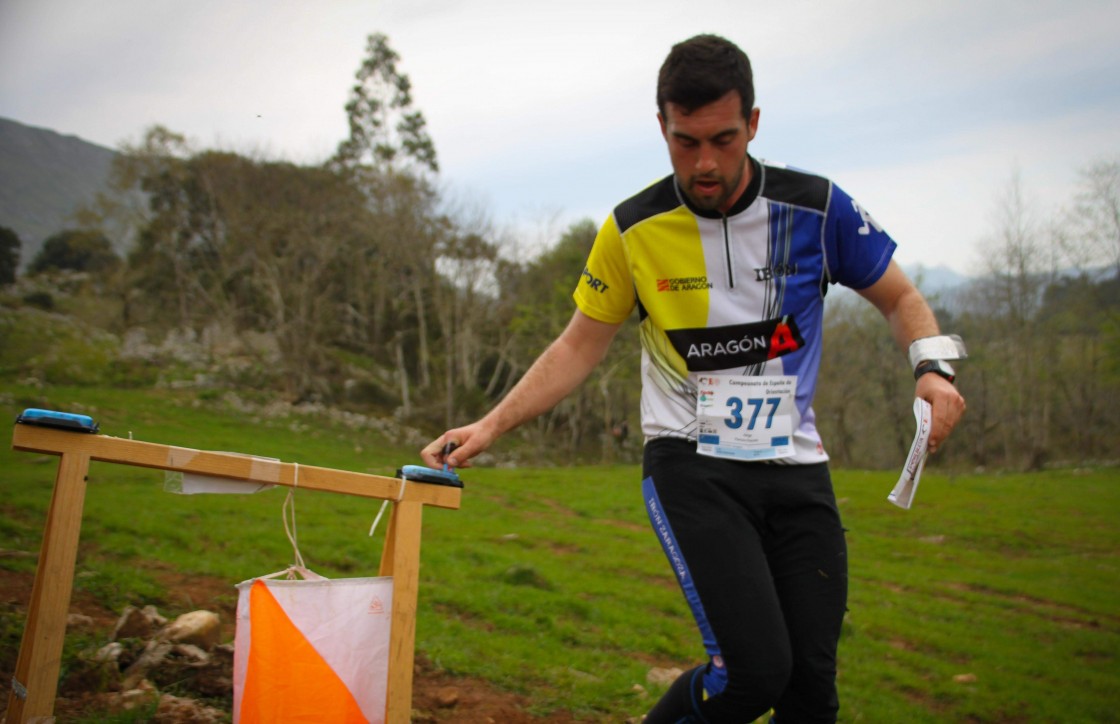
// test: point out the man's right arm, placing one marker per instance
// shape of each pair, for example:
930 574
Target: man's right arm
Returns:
560 369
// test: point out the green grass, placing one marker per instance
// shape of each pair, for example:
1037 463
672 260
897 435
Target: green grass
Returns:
995 599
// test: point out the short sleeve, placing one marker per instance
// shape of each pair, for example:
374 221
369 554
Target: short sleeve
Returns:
605 291
857 248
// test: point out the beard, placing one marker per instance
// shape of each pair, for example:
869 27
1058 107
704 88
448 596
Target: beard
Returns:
713 202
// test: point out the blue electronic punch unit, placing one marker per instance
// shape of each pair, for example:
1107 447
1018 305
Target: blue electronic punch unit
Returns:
61 420
422 474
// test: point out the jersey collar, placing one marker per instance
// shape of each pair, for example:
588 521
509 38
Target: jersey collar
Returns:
746 199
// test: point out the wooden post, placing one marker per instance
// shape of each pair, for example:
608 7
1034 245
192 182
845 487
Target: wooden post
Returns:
35 682
401 559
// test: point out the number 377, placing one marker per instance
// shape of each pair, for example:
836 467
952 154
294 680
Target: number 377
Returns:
756 404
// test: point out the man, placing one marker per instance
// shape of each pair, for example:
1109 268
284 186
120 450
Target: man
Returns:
727 261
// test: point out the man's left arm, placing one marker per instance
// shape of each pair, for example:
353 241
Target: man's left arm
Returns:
911 318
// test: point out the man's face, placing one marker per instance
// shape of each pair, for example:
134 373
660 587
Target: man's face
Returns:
708 149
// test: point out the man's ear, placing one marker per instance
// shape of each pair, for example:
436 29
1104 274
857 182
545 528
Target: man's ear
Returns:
664 130
752 125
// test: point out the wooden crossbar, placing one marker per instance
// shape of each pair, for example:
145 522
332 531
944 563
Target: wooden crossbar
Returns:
35 683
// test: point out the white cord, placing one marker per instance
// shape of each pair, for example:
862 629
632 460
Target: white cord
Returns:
292 532
381 511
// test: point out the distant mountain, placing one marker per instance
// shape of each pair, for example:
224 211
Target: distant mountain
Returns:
44 178
935 279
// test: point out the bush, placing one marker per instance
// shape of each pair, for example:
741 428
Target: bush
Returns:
9 255
40 299
75 250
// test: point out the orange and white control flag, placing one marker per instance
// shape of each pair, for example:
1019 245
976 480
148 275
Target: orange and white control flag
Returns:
312 650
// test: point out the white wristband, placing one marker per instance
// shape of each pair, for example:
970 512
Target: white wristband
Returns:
944 347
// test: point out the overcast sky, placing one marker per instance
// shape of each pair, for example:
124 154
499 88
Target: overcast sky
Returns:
543 112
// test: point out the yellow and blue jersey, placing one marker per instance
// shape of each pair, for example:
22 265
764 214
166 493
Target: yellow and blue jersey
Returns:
740 293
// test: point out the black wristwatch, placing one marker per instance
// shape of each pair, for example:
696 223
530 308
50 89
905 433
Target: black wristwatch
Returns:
936 366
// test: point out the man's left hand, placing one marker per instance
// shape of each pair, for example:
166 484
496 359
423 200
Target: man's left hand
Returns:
948 406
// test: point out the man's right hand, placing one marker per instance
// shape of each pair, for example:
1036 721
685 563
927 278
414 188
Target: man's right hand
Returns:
560 369
468 442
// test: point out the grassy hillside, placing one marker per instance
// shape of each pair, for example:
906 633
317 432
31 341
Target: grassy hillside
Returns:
994 599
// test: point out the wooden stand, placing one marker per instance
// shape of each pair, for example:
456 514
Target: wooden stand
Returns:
35 683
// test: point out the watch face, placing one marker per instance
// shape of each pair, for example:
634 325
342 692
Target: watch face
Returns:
936 366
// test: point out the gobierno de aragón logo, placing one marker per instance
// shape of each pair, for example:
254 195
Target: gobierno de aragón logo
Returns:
683 284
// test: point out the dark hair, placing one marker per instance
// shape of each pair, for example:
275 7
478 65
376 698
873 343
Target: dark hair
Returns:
703 69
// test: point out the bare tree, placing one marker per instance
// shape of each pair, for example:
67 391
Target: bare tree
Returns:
391 157
865 420
1090 230
1021 260
144 197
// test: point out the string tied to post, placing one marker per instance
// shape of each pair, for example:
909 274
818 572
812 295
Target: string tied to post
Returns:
381 510
289 511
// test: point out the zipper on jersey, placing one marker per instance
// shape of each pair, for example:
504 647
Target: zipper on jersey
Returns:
727 255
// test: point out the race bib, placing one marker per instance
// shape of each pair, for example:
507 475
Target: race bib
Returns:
745 418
